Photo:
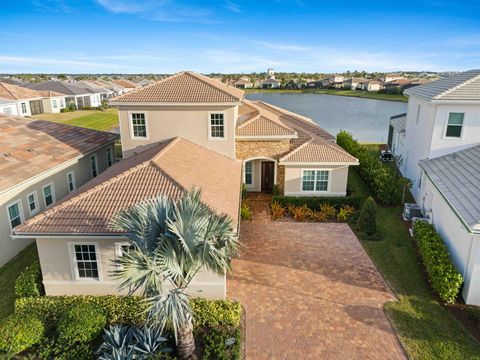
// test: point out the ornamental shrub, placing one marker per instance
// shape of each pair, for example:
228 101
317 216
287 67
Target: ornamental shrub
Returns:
19 332
218 347
81 323
245 212
29 281
367 221
444 277
315 202
384 181
212 313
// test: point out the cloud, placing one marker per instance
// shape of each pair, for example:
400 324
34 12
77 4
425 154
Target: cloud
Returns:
282 47
57 6
232 6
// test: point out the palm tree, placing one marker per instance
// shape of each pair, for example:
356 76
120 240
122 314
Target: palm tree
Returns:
172 242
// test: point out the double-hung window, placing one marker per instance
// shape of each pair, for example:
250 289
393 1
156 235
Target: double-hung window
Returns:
71 181
32 202
62 103
48 195
248 173
7 111
14 214
139 125
315 180
93 165
109 156
54 103
217 126
24 108
86 261
454 125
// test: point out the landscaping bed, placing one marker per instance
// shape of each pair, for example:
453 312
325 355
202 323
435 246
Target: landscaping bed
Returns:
76 327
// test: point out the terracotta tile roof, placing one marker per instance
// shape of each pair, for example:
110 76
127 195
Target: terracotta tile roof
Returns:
318 151
168 168
15 92
31 147
185 87
125 83
312 144
263 126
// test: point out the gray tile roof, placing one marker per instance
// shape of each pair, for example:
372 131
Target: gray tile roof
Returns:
457 177
61 87
399 122
463 86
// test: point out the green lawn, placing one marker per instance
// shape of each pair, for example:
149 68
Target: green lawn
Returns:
351 93
8 275
425 328
92 119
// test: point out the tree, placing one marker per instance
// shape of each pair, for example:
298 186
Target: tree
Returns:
172 241
367 221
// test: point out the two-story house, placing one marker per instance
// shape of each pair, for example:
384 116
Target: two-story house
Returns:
184 131
41 162
438 146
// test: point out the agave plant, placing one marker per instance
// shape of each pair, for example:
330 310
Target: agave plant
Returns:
149 341
173 241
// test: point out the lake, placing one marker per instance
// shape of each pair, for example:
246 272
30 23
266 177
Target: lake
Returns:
366 119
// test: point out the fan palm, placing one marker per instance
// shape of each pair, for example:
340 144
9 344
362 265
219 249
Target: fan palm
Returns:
172 242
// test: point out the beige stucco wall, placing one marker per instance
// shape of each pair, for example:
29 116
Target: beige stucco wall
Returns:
191 123
337 185
59 271
58 176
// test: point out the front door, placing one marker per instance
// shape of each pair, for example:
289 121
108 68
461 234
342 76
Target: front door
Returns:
268 174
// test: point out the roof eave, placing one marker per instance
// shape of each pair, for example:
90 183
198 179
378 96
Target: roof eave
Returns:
306 163
265 137
146 103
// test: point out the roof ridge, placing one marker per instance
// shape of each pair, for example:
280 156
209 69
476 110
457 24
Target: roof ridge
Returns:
200 78
279 122
248 121
8 90
476 77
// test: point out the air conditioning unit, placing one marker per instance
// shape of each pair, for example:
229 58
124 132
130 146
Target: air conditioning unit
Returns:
411 210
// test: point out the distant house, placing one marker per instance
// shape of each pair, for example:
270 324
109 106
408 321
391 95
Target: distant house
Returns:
96 89
441 156
391 77
80 96
31 102
370 85
116 89
270 84
335 81
40 163
126 84
145 82
8 107
353 83
243 84
314 84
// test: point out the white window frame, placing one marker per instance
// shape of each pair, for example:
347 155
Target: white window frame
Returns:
130 124
210 137
109 153
73 257
329 171
35 198
22 105
54 104
445 136
245 172
7 110
62 103
74 182
119 251
20 212
94 156
53 194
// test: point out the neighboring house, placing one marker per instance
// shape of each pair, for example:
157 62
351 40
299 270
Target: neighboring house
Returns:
103 92
335 81
353 83
125 84
314 84
8 107
391 77
396 135
184 131
370 85
80 96
442 125
116 89
243 84
270 84
145 82
30 102
40 163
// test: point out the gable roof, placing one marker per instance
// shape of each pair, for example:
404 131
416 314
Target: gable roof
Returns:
457 178
168 168
31 147
463 86
60 87
184 87
125 83
15 92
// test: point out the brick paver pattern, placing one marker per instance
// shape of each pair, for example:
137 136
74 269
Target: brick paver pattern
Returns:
310 292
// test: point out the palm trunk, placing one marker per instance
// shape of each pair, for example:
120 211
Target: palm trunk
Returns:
186 342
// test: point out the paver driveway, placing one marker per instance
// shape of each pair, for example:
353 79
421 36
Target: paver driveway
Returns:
310 292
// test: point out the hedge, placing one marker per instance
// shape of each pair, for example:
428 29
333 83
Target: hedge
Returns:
129 309
384 181
444 277
82 322
314 202
19 332
28 283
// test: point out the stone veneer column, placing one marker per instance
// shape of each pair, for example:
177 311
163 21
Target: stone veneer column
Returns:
281 179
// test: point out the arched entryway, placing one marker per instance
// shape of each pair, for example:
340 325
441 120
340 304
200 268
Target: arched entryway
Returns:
260 174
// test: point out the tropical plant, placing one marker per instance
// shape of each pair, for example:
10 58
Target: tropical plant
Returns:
301 213
173 242
345 212
320 216
245 212
328 210
277 210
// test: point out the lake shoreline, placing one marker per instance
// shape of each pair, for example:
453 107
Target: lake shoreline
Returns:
333 92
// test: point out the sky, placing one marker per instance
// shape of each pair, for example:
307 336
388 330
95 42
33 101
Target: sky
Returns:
238 36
